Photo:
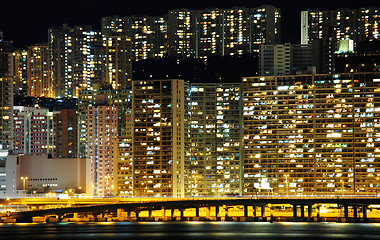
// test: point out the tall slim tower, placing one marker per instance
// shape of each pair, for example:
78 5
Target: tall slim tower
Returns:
76 59
20 72
117 62
182 33
265 26
66 133
101 143
6 94
210 32
39 80
158 137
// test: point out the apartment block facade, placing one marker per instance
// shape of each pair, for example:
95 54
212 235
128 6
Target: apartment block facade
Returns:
6 94
39 80
185 33
158 137
355 24
76 59
214 127
117 63
33 131
312 134
66 134
101 144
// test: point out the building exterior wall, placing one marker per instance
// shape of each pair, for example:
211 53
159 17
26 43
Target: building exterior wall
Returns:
66 133
39 79
46 174
355 24
213 163
33 130
101 143
76 59
117 62
312 134
20 72
158 137
202 33
6 94
285 59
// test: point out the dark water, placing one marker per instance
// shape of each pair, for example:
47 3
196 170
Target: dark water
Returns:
188 230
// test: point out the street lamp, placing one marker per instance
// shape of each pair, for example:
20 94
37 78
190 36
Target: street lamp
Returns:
23 182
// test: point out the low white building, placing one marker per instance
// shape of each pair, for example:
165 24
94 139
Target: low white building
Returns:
40 174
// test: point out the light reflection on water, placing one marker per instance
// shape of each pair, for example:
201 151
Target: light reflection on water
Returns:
190 230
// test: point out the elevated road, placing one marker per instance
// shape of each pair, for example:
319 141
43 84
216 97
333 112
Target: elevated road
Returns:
137 205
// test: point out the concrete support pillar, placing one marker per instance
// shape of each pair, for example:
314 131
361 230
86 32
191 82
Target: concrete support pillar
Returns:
254 210
217 211
346 211
119 213
137 213
182 213
245 211
172 212
294 210
309 211
163 212
150 212
208 212
302 211
197 212
364 212
355 211
262 210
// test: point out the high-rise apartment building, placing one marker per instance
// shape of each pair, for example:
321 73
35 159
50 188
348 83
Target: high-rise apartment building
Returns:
312 134
121 99
20 72
117 63
114 26
210 32
265 26
158 137
365 59
66 134
236 32
39 80
285 59
213 162
101 144
6 94
160 45
148 34
184 33
368 24
33 131
355 24
124 167
141 31
76 59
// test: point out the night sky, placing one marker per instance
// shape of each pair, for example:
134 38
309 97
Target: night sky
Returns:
27 22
